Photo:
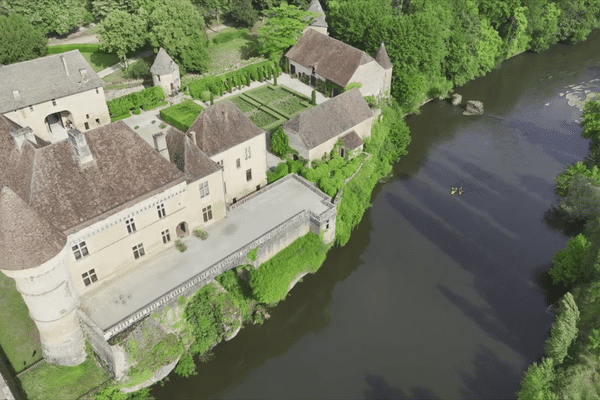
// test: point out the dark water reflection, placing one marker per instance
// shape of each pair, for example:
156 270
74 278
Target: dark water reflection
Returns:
435 296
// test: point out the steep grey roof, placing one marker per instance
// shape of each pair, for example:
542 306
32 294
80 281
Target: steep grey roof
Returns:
327 120
26 238
188 157
382 57
126 169
221 127
351 140
319 21
163 64
43 79
332 59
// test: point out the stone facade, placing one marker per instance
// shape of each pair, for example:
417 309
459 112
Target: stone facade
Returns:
165 73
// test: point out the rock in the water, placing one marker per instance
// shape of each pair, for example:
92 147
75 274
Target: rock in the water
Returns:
456 99
474 107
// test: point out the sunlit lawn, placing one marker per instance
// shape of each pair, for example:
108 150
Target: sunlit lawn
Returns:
100 61
226 55
19 336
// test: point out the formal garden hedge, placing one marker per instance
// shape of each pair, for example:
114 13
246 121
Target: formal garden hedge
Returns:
217 85
271 281
181 115
147 99
82 47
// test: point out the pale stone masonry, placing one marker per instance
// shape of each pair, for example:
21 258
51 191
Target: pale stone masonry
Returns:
165 73
51 94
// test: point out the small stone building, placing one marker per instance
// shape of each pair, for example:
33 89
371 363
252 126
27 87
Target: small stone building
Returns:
315 132
165 73
52 94
327 59
237 144
319 24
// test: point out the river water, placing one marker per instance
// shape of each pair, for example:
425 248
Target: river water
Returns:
435 296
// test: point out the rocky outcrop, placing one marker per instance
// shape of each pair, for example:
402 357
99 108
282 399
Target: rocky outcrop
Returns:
473 107
456 99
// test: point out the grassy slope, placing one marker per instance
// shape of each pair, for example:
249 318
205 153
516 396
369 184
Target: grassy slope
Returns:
100 61
49 381
18 334
225 55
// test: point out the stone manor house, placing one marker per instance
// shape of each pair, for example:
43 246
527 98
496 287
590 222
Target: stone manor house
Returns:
83 201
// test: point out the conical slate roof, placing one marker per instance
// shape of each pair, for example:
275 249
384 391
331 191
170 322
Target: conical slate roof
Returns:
382 57
27 239
163 64
319 21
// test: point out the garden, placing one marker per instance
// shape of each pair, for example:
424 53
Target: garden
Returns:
269 106
121 107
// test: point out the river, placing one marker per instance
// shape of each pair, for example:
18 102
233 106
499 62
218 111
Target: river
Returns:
435 296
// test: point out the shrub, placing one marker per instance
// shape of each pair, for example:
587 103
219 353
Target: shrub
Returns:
200 234
205 96
138 70
162 125
270 282
153 121
180 245
371 101
252 254
137 127
295 166
280 143
204 312
181 115
136 111
280 171
313 97
147 99
352 85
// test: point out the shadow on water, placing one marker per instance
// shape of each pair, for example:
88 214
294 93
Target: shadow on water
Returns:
306 309
492 378
557 219
378 388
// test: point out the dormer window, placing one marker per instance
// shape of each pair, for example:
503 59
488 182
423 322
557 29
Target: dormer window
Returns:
30 108
53 102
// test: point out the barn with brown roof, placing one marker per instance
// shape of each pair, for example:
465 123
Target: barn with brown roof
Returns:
324 58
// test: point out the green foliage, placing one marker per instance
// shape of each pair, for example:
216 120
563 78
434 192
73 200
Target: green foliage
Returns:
352 85
568 263
283 28
281 170
178 27
313 97
186 366
200 234
205 313
270 282
82 47
239 292
583 198
20 40
564 329
242 13
563 180
114 393
180 245
252 254
181 115
280 143
121 33
138 70
229 35
59 16
536 383
590 119
147 99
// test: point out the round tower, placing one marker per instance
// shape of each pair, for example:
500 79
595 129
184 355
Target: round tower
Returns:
34 253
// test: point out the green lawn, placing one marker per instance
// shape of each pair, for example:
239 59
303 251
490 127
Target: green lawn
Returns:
48 381
225 56
100 61
278 105
19 336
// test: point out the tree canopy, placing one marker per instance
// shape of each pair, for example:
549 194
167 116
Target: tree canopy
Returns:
283 28
20 40
59 16
121 33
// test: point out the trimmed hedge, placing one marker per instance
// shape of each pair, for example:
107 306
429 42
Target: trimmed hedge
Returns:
270 282
181 115
226 82
121 107
82 47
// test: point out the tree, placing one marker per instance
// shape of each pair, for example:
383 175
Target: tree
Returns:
590 120
20 40
243 13
121 33
583 198
176 26
563 180
564 329
58 16
283 28
280 143
536 383
568 263
213 7
101 8
542 26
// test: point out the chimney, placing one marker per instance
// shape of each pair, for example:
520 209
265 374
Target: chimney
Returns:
82 150
84 75
160 144
64 61
22 135
192 135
